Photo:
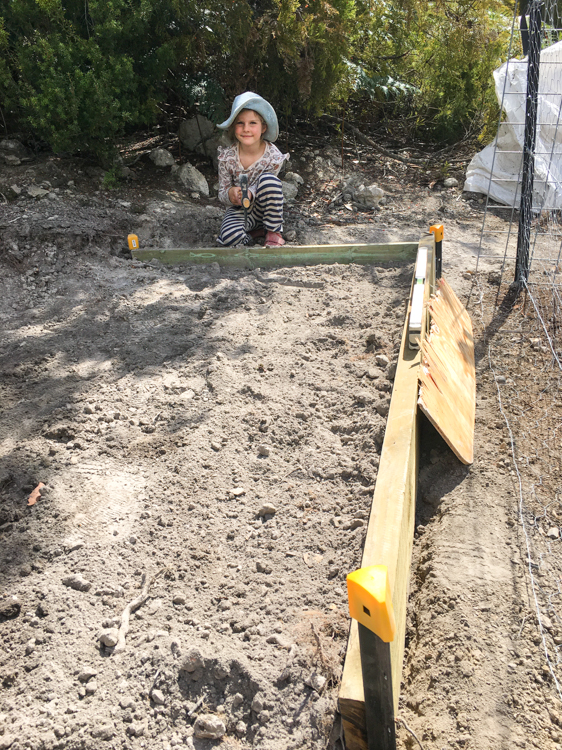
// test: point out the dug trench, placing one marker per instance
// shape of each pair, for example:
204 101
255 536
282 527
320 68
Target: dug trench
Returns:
209 442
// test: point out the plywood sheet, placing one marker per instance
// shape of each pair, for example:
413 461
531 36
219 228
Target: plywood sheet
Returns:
447 377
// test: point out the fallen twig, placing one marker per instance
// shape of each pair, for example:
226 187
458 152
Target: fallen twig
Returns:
132 607
197 706
400 720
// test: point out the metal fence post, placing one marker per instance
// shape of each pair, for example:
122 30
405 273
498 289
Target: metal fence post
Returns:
528 173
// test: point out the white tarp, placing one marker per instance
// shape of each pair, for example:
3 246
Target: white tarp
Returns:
502 159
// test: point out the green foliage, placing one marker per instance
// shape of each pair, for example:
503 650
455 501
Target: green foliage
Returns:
111 179
80 73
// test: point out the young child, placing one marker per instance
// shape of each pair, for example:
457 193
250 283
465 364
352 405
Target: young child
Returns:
252 127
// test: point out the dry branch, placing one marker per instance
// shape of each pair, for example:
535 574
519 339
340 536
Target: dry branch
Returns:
131 607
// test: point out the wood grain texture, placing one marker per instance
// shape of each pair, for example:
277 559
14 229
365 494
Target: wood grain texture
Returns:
288 255
447 375
391 527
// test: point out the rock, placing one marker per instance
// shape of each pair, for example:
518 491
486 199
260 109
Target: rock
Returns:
267 509
382 360
192 660
257 703
162 157
240 728
546 622
91 687
110 637
77 582
500 379
13 147
7 740
450 182
355 523
290 190
179 599
196 132
36 192
264 450
216 446
553 533
368 196
382 408
294 177
103 732
9 609
158 697
209 727
10 160
316 681
237 700
87 674
262 567
238 492
263 717
136 729
192 179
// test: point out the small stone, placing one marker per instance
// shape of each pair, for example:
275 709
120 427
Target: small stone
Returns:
241 727
267 509
109 637
237 700
30 646
87 674
553 533
158 697
77 582
103 732
355 523
136 729
257 704
179 599
192 660
216 446
91 687
238 492
382 408
36 192
316 681
382 360
7 740
263 717
209 727
264 450
500 379
546 622
450 182
262 567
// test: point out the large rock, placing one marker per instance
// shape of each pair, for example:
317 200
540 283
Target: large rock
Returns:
290 190
200 135
193 179
12 147
162 157
368 195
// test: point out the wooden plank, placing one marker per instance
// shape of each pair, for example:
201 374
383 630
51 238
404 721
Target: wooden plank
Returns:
447 375
391 527
288 255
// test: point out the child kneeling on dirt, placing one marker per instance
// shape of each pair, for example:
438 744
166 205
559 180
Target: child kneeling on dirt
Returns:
252 127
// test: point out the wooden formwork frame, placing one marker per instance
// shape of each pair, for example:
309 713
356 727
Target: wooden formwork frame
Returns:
390 531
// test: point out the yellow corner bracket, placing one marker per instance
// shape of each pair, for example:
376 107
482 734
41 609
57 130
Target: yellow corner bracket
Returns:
437 230
370 600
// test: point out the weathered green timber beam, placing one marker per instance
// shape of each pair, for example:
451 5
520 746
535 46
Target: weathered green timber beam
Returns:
288 255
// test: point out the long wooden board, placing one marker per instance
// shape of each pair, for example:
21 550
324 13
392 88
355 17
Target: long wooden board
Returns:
288 255
391 527
447 375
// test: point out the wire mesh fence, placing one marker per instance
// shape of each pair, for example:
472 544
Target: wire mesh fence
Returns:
521 239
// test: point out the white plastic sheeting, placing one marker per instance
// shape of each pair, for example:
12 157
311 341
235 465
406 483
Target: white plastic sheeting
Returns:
496 170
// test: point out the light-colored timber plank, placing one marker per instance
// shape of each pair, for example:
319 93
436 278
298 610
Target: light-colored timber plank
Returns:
447 376
391 526
264 257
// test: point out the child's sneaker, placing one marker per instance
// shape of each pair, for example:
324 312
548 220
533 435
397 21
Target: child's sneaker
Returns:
274 239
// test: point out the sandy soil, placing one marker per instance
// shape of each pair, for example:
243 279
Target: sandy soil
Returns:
209 441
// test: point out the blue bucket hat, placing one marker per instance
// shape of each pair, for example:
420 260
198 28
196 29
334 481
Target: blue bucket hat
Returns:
249 100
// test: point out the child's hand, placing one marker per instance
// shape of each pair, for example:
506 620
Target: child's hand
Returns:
235 196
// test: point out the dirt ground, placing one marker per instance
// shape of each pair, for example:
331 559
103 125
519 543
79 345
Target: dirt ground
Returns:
209 442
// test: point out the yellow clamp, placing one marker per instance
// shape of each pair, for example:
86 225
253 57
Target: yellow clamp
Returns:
437 230
370 600
133 241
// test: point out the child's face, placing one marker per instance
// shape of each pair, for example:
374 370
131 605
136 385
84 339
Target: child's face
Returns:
249 128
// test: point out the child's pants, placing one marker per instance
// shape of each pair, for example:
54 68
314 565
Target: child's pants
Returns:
265 210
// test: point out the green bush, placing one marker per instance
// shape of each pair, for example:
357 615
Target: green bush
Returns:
80 73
